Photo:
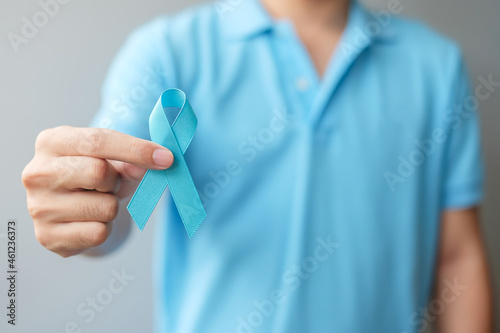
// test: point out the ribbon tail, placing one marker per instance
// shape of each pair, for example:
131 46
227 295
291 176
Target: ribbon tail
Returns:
185 195
146 197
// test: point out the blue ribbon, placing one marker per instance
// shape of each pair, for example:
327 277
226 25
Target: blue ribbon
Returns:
176 138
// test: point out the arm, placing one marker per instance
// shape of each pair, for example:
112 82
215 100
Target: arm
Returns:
462 262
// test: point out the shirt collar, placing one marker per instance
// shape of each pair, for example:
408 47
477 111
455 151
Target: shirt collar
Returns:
244 19
248 18
368 26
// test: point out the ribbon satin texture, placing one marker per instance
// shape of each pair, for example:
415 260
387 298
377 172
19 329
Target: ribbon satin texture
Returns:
176 138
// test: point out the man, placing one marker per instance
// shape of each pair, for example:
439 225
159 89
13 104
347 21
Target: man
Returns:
337 156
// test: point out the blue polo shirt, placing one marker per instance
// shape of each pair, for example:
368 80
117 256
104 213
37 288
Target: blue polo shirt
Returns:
323 195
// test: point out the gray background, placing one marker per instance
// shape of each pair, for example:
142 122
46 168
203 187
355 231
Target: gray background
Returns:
55 80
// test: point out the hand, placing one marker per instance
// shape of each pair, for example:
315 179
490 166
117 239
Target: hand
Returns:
76 178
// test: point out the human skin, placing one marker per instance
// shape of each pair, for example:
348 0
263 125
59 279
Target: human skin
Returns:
319 25
73 178
76 179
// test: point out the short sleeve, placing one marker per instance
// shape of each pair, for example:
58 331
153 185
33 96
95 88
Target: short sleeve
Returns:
136 78
463 172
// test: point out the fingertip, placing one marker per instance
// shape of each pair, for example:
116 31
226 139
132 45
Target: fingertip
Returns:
163 158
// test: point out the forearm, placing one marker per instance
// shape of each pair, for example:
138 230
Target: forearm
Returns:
463 286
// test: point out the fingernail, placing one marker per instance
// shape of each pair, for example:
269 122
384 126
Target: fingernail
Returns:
163 158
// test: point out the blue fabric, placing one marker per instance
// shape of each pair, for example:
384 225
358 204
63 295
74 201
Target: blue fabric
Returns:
177 138
323 195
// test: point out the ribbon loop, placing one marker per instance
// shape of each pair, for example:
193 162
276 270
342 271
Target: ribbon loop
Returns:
178 178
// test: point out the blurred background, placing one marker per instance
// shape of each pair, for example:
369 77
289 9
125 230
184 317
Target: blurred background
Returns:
55 79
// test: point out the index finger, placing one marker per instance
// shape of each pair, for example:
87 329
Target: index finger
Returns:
106 144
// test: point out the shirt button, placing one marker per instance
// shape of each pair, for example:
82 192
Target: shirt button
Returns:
301 84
